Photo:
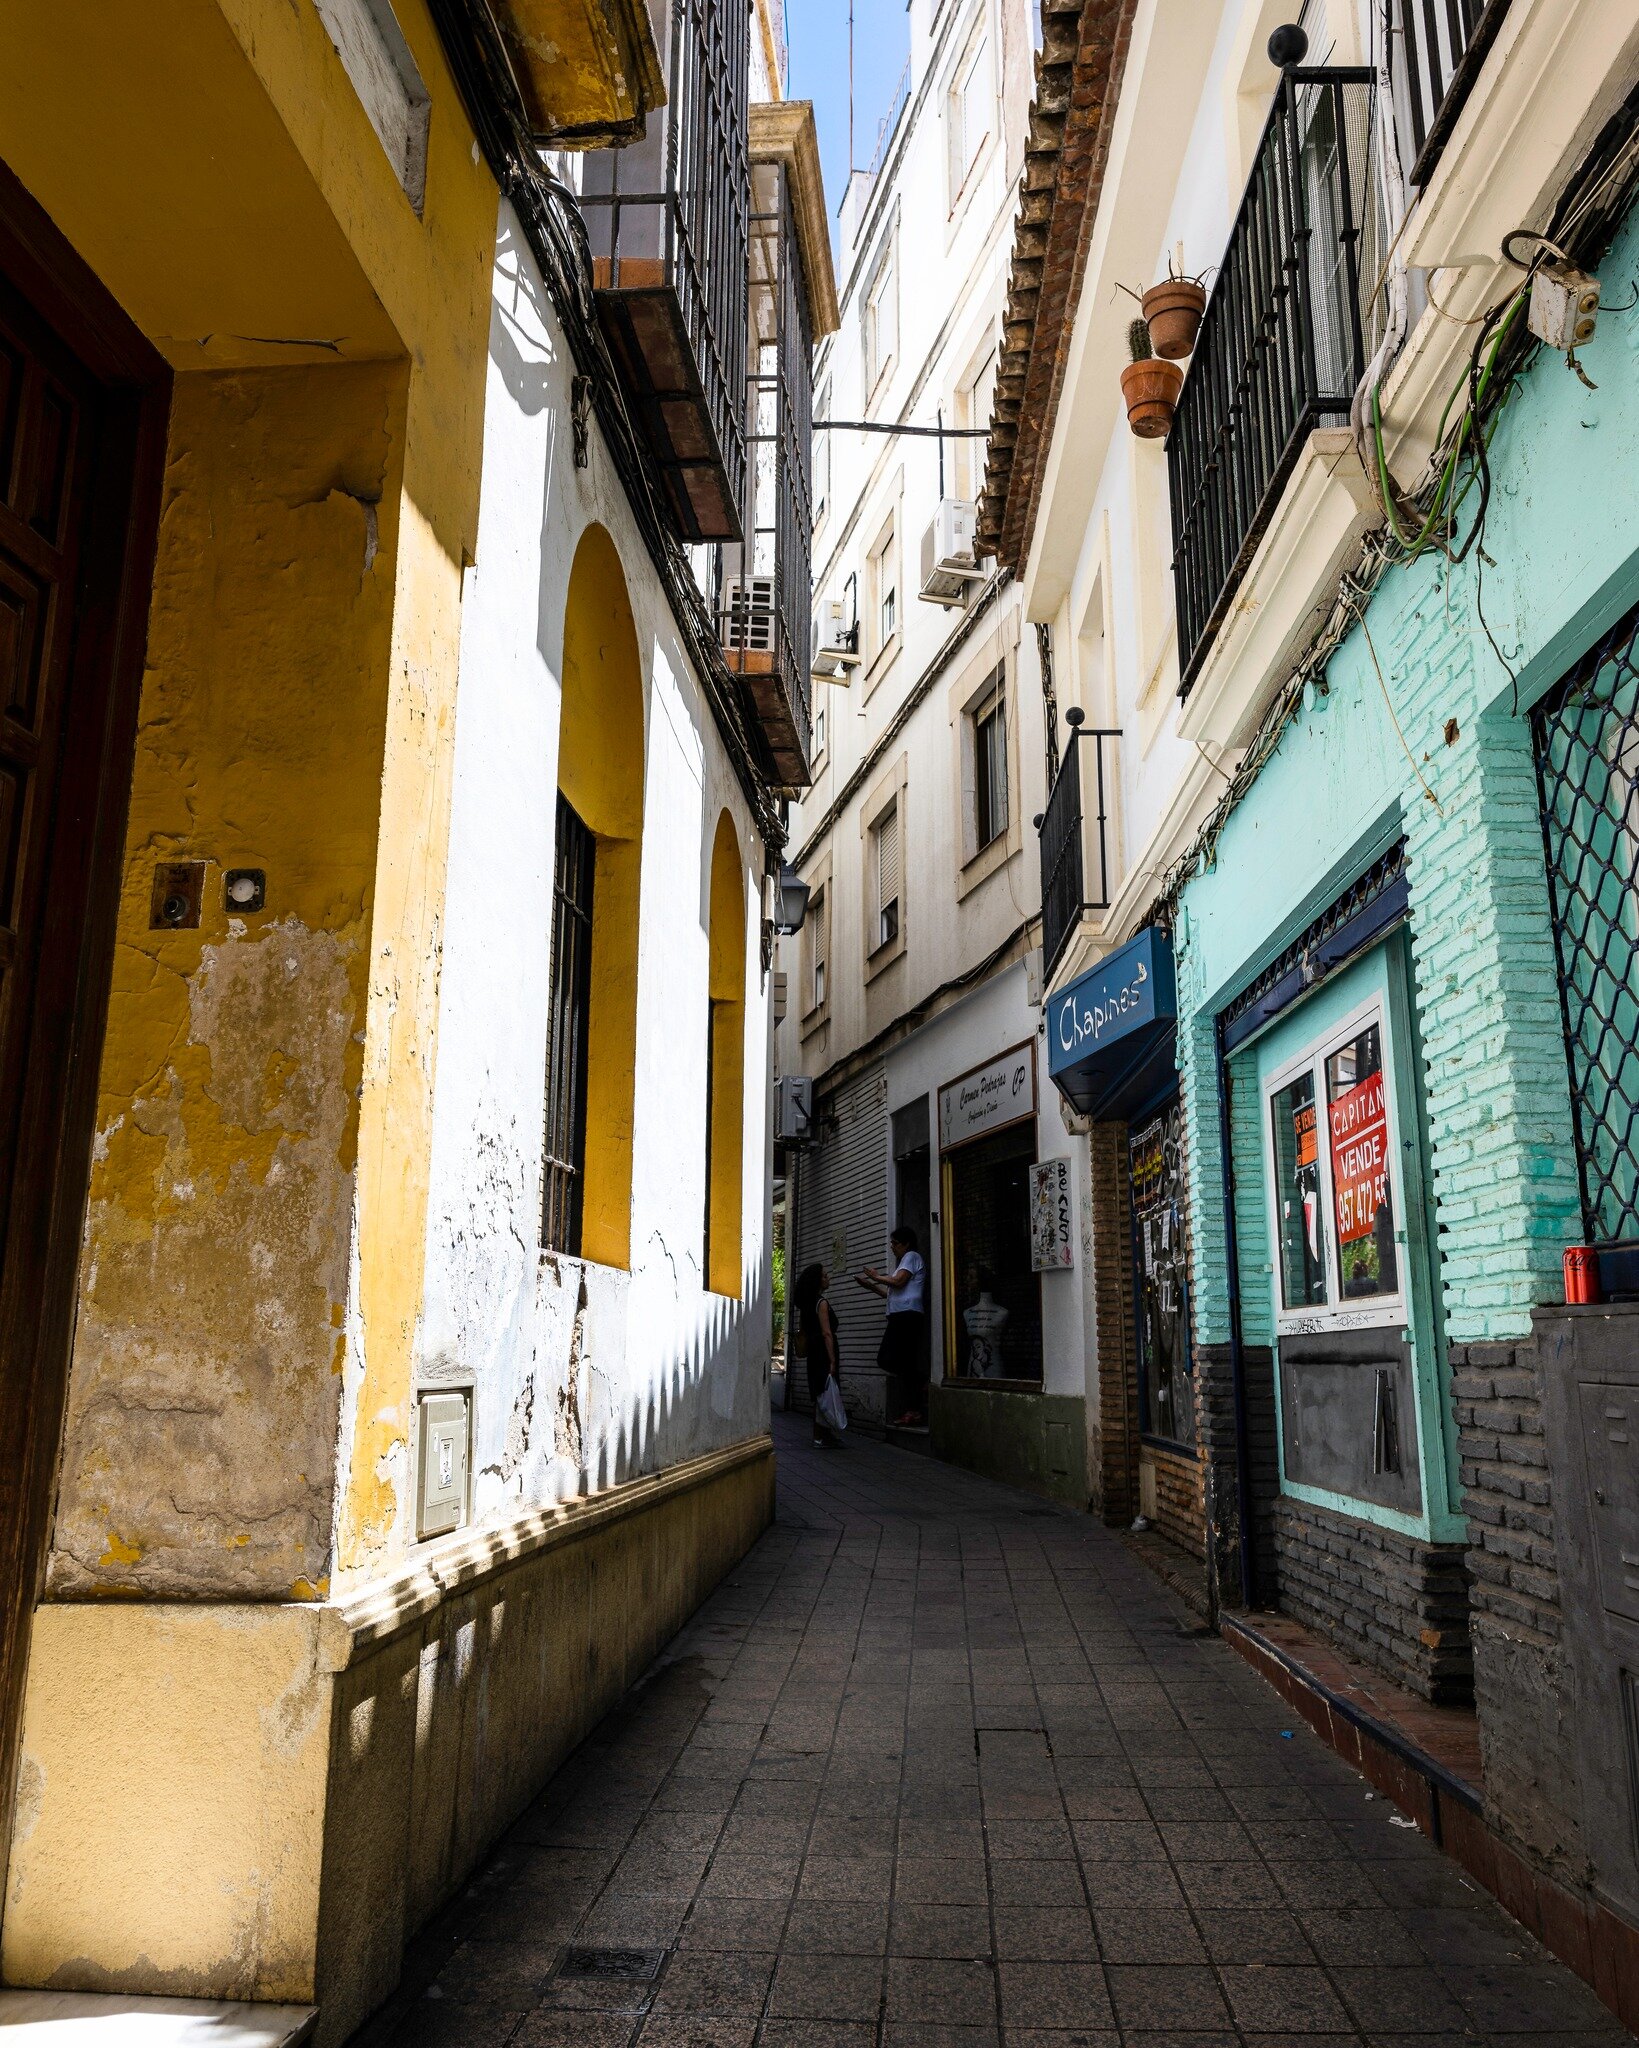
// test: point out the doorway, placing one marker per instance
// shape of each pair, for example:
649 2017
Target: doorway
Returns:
83 402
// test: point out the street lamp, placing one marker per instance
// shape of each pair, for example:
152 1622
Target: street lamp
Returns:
791 901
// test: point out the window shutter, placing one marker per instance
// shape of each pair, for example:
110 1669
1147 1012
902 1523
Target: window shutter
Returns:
887 859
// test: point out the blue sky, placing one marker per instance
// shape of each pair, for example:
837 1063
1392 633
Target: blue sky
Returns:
817 37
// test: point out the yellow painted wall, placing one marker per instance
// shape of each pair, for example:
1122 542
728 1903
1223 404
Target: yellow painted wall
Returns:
199 1452
261 1801
726 1107
212 162
168 1834
600 772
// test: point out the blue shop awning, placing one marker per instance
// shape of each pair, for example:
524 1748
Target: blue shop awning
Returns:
1110 1033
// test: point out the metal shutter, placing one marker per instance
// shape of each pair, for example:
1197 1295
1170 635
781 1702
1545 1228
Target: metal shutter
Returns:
842 1208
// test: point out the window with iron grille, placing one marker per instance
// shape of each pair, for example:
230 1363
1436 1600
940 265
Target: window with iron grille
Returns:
766 577
667 221
1586 738
567 1025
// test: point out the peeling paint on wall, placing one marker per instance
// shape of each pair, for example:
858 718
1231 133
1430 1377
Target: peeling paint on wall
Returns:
199 1450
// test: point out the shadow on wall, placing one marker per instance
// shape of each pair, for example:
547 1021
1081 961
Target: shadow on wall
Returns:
714 1391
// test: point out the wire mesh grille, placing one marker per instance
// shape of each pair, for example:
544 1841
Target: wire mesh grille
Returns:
1586 734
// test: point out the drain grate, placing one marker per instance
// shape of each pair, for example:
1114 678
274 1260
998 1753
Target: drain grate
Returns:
626 1965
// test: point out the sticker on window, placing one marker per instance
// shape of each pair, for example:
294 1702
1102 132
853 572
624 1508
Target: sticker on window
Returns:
1362 1201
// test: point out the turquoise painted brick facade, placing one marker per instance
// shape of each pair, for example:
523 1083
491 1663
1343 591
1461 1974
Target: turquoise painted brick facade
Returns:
1563 538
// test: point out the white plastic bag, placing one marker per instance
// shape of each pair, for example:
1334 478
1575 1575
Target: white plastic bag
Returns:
831 1411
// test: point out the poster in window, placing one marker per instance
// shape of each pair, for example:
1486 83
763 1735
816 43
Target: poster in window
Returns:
1362 1203
1166 1392
1297 1193
1052 1217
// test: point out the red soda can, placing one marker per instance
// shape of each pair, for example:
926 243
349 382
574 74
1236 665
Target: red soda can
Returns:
1581 1276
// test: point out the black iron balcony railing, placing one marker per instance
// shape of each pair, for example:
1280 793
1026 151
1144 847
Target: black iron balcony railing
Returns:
667 222
1436 51
1075 837
1282 345
765 601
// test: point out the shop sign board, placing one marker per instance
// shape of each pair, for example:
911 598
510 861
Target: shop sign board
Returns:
1001 1092
1052 1217
1128 990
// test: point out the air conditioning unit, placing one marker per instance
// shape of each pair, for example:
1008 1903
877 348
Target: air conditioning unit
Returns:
793 1108
949 563
748 615
836 642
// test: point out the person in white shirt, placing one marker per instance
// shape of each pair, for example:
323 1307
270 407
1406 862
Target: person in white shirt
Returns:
904 1350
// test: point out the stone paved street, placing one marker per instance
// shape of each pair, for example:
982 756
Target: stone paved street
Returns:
941 1767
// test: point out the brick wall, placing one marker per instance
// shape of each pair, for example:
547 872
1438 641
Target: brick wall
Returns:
1180 1498
1499 1112
1215 1419
1521 1684
1394 1601
1114 1446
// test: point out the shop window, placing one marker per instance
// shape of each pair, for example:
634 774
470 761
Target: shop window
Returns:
885 877
987 1141
1161 1292
1331 1151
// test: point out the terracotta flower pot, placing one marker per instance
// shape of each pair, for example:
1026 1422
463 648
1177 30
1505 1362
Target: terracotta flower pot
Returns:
1151 390
1173 311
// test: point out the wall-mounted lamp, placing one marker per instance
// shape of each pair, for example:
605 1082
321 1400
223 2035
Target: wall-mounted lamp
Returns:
791 901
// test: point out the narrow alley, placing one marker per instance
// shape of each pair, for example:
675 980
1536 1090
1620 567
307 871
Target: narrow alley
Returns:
938 1764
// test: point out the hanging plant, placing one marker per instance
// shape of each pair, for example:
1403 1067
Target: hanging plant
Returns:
1173 312
1172 309
1150 385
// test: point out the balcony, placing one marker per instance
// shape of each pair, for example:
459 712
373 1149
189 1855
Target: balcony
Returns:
667 223
587 71
763 608
1283 344
1075 832
1437 48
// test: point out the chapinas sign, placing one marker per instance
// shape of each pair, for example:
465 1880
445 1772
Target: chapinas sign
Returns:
1128 990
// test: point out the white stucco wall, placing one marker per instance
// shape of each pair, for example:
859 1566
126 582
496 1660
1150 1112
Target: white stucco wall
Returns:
582 1375
996 1017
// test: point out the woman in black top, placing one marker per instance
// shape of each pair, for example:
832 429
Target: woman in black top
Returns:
817 1322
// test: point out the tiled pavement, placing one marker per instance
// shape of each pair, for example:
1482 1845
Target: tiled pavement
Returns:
941 1767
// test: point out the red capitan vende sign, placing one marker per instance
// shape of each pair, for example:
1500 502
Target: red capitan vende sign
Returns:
1360 1153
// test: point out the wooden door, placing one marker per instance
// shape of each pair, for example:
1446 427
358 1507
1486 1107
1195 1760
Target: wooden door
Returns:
82 408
